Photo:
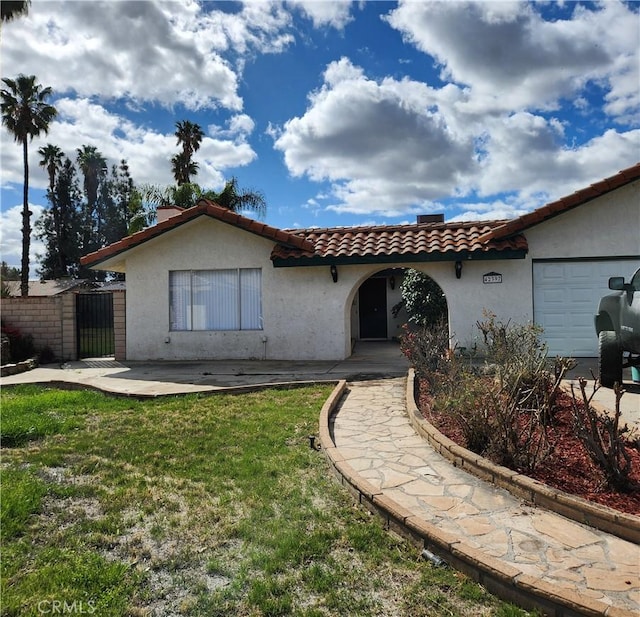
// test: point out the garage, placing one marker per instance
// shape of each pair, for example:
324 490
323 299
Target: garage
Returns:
565 299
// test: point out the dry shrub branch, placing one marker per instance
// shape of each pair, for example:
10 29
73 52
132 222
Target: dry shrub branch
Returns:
603 437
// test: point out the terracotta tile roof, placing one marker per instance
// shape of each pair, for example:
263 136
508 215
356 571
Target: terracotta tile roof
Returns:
564 204
420 242
203 208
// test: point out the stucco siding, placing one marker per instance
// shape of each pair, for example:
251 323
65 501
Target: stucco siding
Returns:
306 316
300 305
467 297
608 226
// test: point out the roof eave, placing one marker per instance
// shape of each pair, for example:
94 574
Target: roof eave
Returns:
320 260
204 208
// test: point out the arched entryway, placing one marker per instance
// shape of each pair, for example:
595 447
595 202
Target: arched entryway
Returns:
378 310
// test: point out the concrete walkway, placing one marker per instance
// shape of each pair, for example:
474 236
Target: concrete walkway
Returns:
371 359
573 569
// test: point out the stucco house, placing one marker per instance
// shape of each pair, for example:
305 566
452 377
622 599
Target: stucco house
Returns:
207 283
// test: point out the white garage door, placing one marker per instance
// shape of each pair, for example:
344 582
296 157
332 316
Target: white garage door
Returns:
565 300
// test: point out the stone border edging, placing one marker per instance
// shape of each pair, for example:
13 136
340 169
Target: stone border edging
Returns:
504 581
609 520
19 367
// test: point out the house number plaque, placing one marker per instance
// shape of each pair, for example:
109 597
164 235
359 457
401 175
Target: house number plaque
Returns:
491 277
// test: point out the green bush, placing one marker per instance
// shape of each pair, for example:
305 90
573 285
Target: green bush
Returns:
21 346
503 408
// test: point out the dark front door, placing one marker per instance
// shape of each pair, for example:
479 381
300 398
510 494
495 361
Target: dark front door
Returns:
373 308
94 325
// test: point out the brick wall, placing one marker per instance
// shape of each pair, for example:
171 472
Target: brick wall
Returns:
51 320
42 318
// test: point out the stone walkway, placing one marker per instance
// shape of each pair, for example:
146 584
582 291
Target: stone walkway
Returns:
372 432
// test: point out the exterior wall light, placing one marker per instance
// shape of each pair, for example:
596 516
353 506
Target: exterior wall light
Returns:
334 272
458 269
392 282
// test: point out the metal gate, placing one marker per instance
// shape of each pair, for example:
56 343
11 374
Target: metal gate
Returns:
94 325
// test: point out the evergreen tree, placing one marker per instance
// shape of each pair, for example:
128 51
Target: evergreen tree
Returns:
85 215
62 237
118 207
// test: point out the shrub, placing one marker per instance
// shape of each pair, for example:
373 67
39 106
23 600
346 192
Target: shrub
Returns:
422 298
21 346
428 349
46 355
504 408
603 437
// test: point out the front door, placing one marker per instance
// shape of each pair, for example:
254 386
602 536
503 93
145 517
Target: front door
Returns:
373 308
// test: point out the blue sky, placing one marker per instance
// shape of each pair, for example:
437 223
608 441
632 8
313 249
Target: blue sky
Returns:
341 113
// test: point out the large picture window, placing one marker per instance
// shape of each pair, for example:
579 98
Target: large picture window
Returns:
215 299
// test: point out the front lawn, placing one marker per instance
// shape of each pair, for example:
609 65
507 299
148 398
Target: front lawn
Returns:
197 505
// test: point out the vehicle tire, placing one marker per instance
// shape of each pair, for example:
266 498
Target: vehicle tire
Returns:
610 365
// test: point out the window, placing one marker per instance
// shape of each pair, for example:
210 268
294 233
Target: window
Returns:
215 299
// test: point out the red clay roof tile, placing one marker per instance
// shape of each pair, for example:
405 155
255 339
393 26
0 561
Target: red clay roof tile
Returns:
416 241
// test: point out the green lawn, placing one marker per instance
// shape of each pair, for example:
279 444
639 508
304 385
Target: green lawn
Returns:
95 342
197 506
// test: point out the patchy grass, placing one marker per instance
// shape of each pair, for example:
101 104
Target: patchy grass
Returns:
198 506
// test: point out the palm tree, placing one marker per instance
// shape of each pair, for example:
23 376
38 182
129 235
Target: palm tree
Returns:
190 135
94 168
52 157
26 114
189 194
183 168
236 199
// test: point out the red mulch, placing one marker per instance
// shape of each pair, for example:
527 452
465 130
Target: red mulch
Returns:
568 468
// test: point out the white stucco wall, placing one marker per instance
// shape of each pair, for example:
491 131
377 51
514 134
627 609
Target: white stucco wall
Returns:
299 305
468 296
608 226
307 316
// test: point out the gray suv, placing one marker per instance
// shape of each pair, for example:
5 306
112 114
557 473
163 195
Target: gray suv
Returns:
618 328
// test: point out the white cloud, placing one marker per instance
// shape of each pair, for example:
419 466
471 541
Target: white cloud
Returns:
334 13
11 237
382 144
526 153
166 52
511 58
500 123
147 151
391 146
